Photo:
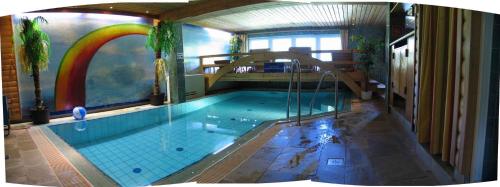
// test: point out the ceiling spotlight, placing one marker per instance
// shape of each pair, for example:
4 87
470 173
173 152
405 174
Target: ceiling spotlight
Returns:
110 7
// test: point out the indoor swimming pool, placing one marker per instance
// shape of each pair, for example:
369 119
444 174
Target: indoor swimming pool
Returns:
141 147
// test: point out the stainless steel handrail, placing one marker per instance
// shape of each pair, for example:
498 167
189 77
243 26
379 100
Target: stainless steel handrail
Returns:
335 76
295 65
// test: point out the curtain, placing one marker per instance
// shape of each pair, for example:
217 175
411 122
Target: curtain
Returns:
450 87
344 39
437 78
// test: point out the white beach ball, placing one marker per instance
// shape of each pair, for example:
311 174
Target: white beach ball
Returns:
79 113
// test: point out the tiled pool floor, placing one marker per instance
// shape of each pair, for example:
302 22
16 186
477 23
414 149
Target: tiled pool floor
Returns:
365 146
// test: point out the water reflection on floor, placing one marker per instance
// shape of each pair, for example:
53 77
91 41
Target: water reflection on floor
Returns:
364 147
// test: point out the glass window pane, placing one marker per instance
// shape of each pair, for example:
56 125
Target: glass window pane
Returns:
306 42
281 44
259 44
330 43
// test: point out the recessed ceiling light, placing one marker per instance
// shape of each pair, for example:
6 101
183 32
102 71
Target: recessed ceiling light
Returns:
110 7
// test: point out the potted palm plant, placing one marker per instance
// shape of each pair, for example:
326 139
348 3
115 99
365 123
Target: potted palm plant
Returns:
235 47
34 57
161 39
370 50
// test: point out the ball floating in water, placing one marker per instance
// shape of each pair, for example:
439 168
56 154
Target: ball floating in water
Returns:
79 113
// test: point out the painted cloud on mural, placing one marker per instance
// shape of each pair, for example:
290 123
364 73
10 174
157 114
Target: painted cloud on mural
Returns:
119 72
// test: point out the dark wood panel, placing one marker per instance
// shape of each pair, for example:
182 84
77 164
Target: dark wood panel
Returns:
9 74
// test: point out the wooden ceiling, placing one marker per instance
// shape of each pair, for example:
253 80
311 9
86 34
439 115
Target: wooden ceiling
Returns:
136 8
153 9
277 15
251 15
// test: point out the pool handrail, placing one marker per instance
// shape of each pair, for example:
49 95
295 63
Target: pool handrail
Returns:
323 76
295 65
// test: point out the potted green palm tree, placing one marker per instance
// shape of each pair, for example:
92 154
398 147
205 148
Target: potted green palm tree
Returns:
370 50
161 39
34 57
235 47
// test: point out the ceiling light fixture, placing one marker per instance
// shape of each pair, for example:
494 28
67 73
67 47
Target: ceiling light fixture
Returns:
110 7
147 11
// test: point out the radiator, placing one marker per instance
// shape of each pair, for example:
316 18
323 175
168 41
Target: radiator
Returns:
195 86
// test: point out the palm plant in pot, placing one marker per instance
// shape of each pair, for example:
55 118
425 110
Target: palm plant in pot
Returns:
370 51
235 47
161 39
34 57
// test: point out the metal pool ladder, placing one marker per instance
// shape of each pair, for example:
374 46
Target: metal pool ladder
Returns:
323 76
295 65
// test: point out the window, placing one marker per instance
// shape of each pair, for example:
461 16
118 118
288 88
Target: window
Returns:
329 43
259 44
281 44
307 42
284 42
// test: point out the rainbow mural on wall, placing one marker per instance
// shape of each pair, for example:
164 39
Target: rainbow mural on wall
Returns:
71 75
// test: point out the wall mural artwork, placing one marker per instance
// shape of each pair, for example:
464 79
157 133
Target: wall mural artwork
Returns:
70 81
97 60
199 41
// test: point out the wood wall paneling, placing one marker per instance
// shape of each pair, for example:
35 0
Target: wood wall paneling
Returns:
410 78
403 58
9 72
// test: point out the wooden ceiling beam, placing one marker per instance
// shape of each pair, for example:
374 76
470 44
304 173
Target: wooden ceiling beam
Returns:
204 7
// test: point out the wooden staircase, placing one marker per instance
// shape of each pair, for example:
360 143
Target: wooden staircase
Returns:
227 72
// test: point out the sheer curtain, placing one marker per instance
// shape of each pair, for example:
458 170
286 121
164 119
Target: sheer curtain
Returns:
344 39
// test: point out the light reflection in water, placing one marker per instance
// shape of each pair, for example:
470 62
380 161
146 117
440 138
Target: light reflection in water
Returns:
222 148
81 126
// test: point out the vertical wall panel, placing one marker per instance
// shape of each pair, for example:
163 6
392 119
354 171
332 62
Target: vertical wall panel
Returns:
9 72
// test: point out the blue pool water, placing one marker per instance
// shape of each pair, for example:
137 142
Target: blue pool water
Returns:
141 147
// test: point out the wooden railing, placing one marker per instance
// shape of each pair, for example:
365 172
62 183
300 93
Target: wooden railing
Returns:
249 66
339 57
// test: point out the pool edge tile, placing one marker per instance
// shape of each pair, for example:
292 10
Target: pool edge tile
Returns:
67 156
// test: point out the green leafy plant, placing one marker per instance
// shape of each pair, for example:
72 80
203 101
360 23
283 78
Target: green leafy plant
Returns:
34 52
370 52
161 39
235 46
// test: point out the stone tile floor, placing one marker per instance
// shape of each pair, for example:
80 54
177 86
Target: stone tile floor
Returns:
24 163
363 148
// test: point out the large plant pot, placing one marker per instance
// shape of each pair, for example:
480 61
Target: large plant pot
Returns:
40 116
157 100
366 95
